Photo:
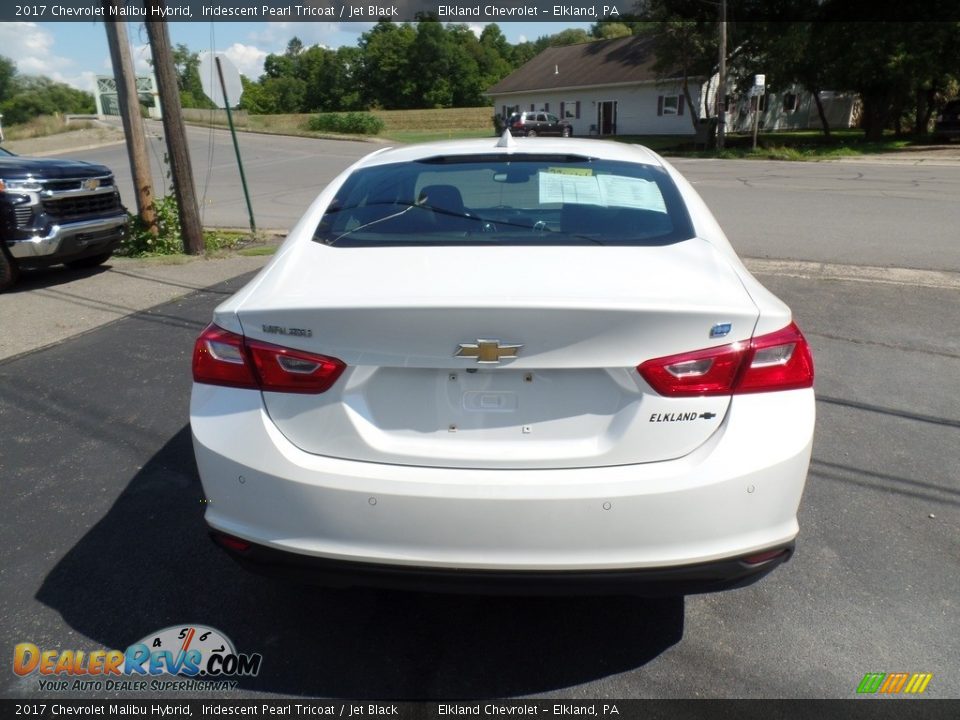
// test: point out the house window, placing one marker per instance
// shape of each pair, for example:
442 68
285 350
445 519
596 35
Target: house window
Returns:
670 105
570 109
790 102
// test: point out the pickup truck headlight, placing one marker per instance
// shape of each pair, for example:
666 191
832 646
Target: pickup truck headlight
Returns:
28 185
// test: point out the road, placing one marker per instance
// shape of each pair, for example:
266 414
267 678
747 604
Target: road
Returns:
838 212
104 540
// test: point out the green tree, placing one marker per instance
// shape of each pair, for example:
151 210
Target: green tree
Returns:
8 72
431 56
686 49
612 27
187 65
390 77
315 65
255 99
294 47
33 95
785 53
900 70
608 30
493 56
570 36
286 94
348 79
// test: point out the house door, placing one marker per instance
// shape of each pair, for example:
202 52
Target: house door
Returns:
607 117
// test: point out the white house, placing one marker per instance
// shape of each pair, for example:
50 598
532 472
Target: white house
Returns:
607 87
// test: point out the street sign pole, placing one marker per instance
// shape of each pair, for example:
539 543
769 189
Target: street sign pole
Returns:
759 88
236 146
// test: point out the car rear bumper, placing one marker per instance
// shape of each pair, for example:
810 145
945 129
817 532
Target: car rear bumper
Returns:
693 518
649 582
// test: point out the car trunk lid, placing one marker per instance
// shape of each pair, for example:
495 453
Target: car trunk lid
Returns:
418 326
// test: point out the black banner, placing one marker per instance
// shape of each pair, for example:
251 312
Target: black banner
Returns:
466 11
860 709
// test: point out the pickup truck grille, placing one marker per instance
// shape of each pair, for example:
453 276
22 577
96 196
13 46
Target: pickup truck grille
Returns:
75 183
68 207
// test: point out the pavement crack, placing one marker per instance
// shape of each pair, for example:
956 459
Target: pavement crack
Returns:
886 345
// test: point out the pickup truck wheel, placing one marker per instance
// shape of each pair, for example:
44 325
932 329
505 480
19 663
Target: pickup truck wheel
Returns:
8 270
89 262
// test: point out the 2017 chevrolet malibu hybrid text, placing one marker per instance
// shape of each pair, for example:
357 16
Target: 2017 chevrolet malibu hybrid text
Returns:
515 365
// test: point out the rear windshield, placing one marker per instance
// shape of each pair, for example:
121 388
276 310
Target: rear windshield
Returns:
520 200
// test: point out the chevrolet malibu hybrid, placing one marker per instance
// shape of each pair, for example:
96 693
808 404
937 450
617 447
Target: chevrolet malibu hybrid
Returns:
508 365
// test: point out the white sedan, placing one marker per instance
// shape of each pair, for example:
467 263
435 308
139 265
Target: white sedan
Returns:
506 366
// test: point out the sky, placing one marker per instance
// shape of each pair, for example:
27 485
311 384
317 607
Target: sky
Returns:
76 52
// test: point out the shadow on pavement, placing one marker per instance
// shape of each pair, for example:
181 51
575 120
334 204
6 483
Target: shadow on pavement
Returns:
38 278
148 564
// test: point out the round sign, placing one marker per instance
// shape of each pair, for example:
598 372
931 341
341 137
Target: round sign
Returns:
210 80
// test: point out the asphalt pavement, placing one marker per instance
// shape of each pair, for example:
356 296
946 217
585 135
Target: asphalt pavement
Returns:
106 541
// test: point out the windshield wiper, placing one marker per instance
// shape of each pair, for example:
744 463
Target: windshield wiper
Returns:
406 208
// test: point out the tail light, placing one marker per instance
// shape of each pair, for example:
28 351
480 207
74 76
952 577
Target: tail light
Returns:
767 556
225 358
230 542
778 361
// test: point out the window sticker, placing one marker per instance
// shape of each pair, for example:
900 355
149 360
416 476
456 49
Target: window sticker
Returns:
559 186
570 170
631 192
565 188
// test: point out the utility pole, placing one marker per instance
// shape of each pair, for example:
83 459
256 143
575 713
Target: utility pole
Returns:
129 101
174 130
722 79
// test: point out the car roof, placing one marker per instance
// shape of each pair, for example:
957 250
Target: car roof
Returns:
599 149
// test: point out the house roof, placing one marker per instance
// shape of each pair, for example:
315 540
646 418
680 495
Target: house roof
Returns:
603 62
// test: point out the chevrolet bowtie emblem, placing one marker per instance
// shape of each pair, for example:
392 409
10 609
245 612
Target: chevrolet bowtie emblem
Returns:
91 184
487 352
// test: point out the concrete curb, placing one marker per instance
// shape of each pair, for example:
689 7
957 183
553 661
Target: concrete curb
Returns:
927 161
81 148
935 279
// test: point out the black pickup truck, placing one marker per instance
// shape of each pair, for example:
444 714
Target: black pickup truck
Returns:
56 211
